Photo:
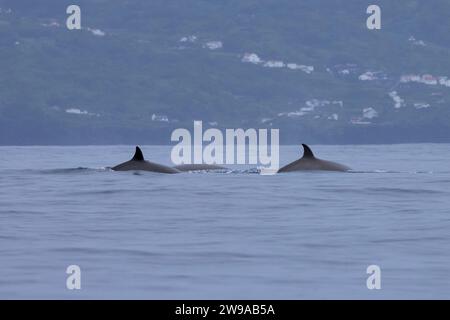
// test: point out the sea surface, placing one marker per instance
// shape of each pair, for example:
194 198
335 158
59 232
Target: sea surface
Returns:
233 234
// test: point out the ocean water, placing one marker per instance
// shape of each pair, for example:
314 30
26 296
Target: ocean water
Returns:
225 235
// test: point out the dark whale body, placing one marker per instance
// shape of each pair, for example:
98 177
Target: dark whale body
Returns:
310 163
138 163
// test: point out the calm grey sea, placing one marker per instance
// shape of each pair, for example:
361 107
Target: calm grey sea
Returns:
233 234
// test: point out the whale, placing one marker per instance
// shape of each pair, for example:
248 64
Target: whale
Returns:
138 163
310 163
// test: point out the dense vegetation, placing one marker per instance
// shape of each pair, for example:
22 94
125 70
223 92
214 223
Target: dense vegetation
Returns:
121 83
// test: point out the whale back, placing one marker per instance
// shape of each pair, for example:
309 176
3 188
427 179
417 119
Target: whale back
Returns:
138 163
308 162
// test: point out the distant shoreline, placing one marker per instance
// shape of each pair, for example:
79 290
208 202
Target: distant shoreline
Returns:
171 145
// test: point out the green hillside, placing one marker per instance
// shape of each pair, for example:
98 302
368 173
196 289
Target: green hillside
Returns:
139 69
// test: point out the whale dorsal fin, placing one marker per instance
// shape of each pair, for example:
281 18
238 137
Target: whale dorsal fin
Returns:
307 153
138 156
